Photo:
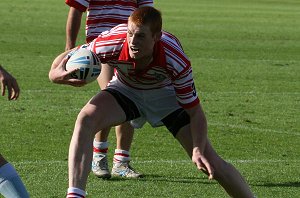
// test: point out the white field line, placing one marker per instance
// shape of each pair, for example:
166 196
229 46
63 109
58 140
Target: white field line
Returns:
222 93
213 124
238 161
254 129
253 93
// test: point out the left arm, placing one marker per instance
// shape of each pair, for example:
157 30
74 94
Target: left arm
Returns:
72 27
198 129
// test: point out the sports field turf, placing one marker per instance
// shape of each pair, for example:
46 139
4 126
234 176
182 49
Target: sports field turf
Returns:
246 63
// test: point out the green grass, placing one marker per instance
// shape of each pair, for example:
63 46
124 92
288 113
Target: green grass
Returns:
246 63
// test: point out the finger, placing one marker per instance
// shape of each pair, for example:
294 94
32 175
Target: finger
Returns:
200 166
64 62
16 90
77 82
17 94
72 71
209 170
205 167
2 89
10 91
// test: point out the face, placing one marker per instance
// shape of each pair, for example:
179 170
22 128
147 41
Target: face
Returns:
140 41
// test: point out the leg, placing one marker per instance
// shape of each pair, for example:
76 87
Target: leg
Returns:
100 165
102 136
121 167
11 185
124 134
95 115
227 176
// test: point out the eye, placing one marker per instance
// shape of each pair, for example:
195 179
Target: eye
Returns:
129 33
141 36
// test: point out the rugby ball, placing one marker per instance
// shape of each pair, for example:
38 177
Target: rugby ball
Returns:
87 62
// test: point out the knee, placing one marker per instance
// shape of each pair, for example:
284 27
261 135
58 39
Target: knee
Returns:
86 121
222 169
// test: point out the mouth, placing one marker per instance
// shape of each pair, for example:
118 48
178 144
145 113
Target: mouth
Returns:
134 49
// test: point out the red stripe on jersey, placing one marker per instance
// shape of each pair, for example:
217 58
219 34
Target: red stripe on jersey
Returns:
170 66
103 20
190 105
145 3
159 58
109 3
184 90
178 56
104 15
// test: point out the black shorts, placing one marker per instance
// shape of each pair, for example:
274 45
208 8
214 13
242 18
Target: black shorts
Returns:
176 120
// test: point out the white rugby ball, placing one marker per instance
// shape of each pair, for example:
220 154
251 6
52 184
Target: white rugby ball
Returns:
87 62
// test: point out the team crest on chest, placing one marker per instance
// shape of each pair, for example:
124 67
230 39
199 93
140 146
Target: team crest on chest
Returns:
122 66
159 76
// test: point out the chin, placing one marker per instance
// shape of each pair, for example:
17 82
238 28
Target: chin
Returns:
133 56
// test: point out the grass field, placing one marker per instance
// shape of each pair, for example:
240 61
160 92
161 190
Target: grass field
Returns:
246 62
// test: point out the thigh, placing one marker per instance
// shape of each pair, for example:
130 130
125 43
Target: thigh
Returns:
104 111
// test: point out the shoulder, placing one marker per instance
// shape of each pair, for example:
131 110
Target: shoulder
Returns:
108 44
117 32
142 3
121 28
174 50
172 41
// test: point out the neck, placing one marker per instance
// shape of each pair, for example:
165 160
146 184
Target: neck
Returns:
143 63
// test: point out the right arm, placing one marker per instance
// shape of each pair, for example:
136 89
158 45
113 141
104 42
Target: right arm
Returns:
72 27
7 81
105 76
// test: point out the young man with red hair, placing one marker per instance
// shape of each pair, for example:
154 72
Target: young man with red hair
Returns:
154 84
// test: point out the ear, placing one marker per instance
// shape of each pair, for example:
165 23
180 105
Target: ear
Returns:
157 36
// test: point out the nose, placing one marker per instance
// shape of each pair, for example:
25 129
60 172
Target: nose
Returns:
133 39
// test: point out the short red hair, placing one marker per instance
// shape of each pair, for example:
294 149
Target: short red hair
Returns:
147 16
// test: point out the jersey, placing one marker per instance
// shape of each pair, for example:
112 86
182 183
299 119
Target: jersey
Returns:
170 67
103 15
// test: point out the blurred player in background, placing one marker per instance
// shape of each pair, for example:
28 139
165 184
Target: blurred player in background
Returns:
102 15
153 83
11 185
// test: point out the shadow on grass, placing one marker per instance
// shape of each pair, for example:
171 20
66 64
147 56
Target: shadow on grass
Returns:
163 178
286 184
